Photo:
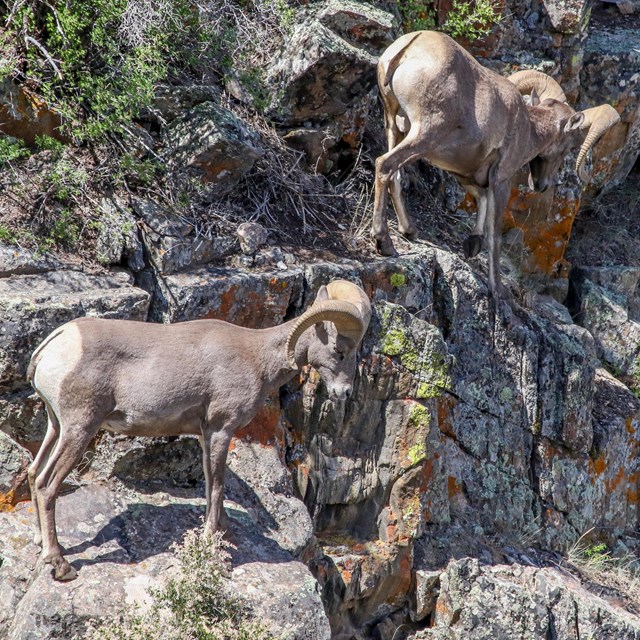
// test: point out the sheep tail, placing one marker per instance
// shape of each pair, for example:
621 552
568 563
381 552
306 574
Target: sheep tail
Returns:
394 63
35 358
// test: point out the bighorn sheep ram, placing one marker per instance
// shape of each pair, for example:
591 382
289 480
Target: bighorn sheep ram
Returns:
441 105
203 377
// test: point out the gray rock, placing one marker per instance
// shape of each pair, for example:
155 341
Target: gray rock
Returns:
359 24
171 242
15 261
606 302
23 417
171 101
118 237
567 15
238 296
31 306
121 545
318 75
252 236
213 144
477 602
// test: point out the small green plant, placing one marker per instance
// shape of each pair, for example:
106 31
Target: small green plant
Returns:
7 235
597 564
67 179
471 19
195 604
65 230
417 15
47 143
12 149
397 280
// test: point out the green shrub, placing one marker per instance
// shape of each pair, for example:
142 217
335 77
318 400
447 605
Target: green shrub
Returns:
195 604
11 149
47 143
470 19
64 231
98 63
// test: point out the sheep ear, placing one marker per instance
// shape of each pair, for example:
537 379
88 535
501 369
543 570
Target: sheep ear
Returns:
534 99
574 122
322 295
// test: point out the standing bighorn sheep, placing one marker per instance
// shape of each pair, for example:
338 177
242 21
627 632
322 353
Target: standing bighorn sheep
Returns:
204 377
441 105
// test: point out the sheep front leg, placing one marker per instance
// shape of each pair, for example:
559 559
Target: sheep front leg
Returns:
214 458
497 197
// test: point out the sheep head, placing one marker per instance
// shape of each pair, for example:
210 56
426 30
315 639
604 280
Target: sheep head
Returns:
585 127
339 316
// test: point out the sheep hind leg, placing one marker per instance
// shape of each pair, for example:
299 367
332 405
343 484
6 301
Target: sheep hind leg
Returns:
472 245
408 150
71 445
53 430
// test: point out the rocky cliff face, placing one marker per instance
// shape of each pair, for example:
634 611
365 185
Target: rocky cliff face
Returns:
480 444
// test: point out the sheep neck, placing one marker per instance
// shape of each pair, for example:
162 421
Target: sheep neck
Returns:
275 366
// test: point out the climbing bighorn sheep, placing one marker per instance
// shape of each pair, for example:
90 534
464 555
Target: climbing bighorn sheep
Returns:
441 105
203 377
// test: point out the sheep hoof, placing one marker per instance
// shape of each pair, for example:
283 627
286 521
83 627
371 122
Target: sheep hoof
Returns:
410 234
385 247
472 246
63 571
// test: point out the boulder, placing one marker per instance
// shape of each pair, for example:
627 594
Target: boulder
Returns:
118 240
252 236
606 302
172 243
508 601
15 261
121 545
25 115
319 75
213 144
236 295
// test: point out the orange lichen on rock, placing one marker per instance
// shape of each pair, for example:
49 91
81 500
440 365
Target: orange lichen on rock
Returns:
546 221
598 465
265 428
7 501
454 487
25 116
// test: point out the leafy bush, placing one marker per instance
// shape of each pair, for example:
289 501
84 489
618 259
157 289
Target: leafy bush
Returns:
98 63
195 604
470 19
11 149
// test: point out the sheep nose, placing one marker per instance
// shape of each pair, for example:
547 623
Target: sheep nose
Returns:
347 392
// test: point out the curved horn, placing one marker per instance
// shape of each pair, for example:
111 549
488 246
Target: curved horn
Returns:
597 120
345 315
349 292
546 87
